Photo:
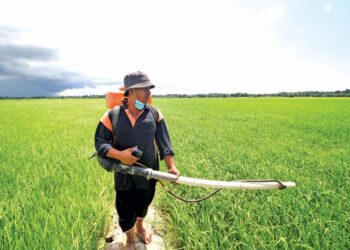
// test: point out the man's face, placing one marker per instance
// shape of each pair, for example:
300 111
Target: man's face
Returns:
142 94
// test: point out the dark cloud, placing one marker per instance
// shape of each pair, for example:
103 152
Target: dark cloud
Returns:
18 78
20 52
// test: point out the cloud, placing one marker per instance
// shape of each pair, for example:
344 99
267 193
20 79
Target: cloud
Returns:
21 53
8 32
27 70
197 46
97 90
327 7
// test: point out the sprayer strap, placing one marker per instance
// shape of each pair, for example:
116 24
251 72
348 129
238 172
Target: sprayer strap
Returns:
114 117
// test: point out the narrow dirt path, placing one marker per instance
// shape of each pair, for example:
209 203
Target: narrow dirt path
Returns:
115 239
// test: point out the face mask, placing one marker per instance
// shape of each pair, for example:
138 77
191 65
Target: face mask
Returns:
139 105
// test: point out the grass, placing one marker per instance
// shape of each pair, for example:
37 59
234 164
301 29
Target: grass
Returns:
302 140
52 197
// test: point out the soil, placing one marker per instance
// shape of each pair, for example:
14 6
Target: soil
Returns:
115 239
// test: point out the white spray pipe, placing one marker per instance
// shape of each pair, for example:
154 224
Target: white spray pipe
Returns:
241 184
112 165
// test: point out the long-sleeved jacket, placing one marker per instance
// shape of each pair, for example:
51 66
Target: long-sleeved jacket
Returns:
149 135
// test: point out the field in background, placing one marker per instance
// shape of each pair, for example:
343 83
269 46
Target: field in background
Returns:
301 140
52 197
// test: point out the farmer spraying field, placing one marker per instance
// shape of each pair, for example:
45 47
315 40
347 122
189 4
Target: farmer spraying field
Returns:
127 140
121 135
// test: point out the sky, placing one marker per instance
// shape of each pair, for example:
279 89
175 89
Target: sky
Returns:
86 47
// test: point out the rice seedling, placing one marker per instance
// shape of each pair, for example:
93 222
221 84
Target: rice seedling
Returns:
52 197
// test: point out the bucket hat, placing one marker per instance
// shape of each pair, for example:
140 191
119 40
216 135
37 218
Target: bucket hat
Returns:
135 80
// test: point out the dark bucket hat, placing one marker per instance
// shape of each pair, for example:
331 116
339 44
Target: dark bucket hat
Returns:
135 80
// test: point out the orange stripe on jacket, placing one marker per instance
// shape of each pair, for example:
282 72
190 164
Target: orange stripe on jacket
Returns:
106 121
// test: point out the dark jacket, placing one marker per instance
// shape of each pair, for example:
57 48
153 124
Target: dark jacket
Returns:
149 135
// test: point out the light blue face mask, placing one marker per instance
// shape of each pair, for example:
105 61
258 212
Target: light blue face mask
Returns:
139 105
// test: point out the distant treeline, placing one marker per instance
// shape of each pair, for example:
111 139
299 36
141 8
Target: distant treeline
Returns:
344 93
339 93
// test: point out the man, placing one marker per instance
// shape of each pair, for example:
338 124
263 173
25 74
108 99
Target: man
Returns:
139 126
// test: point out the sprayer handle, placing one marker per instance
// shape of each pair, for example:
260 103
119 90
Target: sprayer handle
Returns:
137 153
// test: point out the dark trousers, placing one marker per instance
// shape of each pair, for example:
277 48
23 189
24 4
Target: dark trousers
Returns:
132 204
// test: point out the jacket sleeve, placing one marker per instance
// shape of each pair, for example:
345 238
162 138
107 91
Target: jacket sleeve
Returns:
110 164
103 139
103 143
163 139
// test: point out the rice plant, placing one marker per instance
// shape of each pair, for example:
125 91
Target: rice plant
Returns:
53 197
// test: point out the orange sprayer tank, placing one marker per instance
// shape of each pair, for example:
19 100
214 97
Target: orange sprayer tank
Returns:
115 99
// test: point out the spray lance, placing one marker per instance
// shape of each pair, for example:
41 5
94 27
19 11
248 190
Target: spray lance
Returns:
148 173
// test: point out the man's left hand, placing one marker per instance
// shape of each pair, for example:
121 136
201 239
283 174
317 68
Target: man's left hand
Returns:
174 170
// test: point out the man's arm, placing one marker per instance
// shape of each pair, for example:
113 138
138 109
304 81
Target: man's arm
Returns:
103 143
170 162
164 146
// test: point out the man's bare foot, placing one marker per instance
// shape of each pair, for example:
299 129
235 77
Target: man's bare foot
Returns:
130 246
145 236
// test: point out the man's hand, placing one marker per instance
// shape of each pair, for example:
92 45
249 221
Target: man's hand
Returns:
124 156
169 161
174 170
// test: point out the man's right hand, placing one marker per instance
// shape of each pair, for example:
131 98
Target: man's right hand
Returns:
124 156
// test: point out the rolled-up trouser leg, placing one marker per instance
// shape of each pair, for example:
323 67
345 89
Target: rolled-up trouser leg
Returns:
131 204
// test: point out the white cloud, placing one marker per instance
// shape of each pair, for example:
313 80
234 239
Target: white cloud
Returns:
327 7
98 90
185 46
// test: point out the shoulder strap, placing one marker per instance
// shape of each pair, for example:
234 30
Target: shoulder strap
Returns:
114 116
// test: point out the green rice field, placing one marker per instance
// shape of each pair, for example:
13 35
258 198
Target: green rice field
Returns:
53 197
